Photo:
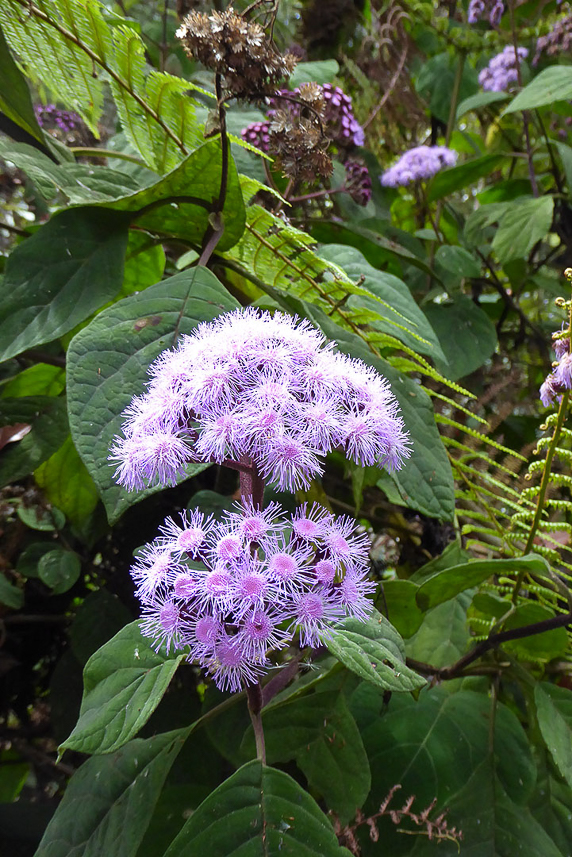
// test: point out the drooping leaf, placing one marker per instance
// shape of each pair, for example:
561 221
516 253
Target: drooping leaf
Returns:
258 810
480 99
109 801
123 684
108 362
374 651
15 101
48 417
552 84
67 484
60 276
474 338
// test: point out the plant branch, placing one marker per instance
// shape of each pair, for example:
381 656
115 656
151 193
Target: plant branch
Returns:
216 221
254 696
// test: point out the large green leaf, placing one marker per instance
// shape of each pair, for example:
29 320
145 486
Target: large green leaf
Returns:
552 84
463 175
437 79
522 225
554 712
67 484
124 683
60 276
374 651
109 801
445 584
108 362
480 99
48 417
258 811
474 340
15 101
443 636
390 299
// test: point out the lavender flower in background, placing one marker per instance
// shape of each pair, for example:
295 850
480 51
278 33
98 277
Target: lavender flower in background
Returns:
502 69
557 41
50 116
422 162
560 379
263 390
261 579
358 182
478 9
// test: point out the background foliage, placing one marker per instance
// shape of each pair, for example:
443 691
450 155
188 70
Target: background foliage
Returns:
456 697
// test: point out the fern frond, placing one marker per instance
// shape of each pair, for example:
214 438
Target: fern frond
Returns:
456 406
440 418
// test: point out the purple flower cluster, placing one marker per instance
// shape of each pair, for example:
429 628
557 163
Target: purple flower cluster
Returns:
262 390
493 9
358 182
502 69
339 121
235 590
422 162
560 379
50 116
257 134
557 41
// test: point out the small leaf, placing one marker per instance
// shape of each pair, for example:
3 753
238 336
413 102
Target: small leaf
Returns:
59 569
552 84
43 519
124 683
454 263
374 651
108 362
257 811
109 801
67 484
60 276
480 99
10 595
48 417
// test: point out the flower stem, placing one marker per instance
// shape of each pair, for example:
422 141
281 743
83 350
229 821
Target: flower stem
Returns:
254 696
251 484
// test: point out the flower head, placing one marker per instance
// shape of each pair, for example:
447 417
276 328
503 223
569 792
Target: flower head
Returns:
422 162
493 9
502 70
251 597
261 388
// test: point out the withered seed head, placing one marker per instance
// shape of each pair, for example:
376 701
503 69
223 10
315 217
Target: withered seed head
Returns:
236 48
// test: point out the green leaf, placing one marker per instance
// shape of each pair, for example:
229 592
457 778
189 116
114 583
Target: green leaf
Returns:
10 595
42 518
456 178
60 276
478 221
321 71
67 484
59 569
15 99
436 81
475 336
454 263
99 617
555 722
521 226
109 801
552 84
108 362
30 557
258 810
373 650
446 583
144 263
390 299
480 99
444 635
41 379
48 417
124 683
398 599
320 734
552 808
565 153
544 646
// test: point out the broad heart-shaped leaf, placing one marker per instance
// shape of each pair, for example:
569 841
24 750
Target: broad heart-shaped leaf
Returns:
108 362
552 84
374 651
521 226
398 313
15 101
109 801
257 811
447 583
319 732
554 712
475 337
48 417
124 683
67 484
425 481
60 276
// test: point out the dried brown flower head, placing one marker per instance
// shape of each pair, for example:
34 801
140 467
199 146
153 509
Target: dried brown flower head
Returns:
237 49
297 134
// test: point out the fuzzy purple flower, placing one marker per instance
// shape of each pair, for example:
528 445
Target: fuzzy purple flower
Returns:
478 9
341 123
422 162
263 390
560 379
502 71
265 579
